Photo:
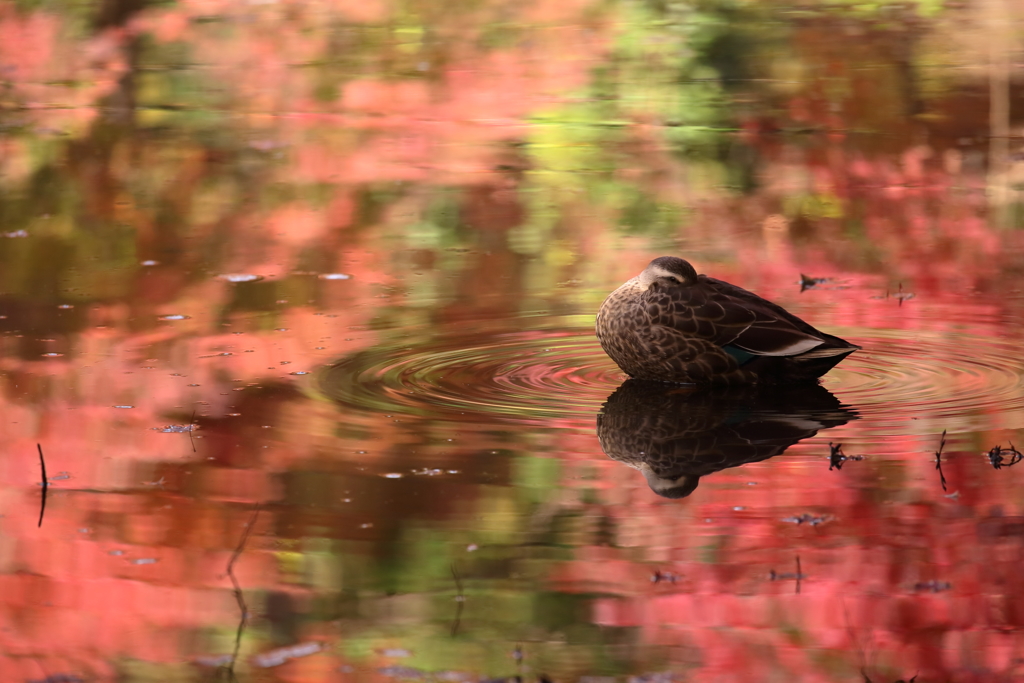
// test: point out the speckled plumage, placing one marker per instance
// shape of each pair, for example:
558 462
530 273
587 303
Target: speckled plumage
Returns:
671 324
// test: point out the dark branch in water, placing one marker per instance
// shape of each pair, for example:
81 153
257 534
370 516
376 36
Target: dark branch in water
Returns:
807 282
799 575
191 425
938 460
836 457
460 600
46 484
903 296
239 598
996 455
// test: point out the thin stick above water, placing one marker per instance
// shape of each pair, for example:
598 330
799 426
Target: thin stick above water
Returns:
239 597
46 484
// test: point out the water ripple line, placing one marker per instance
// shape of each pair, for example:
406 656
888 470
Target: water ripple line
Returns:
543 374
522 375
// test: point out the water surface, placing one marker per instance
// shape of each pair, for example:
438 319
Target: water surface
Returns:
297 303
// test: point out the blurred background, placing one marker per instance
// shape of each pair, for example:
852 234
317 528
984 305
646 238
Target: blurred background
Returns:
297 302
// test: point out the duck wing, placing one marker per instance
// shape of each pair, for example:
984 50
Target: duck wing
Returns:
730 316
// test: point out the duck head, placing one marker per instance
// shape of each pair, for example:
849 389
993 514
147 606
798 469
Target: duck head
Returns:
670 270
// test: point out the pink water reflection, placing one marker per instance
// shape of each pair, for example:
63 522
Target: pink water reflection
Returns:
481 176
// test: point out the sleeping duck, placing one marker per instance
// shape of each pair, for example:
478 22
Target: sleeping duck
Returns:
673 325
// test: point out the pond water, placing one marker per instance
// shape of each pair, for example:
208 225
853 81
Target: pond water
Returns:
297 306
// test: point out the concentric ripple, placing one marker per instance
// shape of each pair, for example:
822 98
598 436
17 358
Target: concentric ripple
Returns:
954 378
530 374
967 381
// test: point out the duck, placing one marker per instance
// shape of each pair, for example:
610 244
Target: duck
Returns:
670 324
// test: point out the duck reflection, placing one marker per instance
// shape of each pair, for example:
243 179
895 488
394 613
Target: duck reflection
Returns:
675 435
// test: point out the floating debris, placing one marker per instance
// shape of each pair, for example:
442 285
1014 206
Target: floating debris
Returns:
66 306
903 296
175 429
807 282
334 276
428 472
240 277
813 520
15 234
933 586
299 372
149 263
51 355
175 317
122 407
144 560
938 460
660 576
392 475
281 655
837 458
798 576
996 455
900 295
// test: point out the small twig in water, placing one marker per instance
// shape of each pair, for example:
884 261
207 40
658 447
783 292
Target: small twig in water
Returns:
995 456
775 576
903 296
46 484
836 457
191 425
938 460
460 600
807 282
239 598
